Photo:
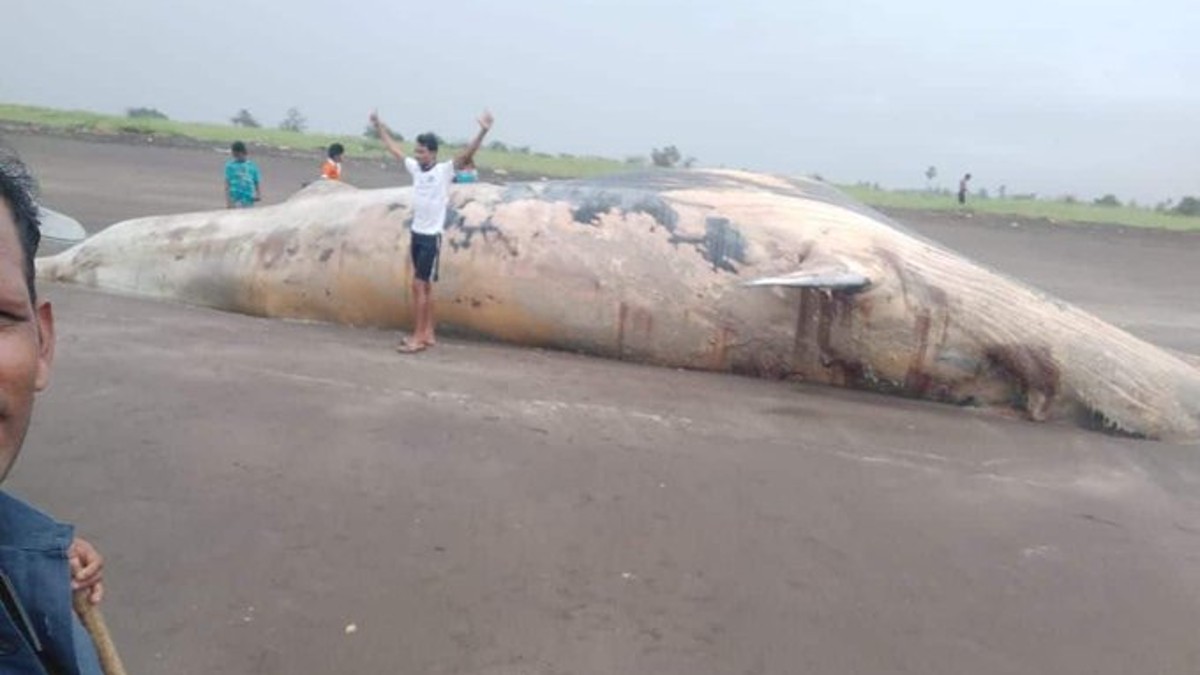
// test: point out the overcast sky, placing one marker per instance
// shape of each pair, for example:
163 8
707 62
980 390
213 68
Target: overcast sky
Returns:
1047 96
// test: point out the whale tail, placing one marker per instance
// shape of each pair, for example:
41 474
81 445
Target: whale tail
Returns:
60 227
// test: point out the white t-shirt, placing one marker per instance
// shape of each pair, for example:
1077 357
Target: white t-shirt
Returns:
431 195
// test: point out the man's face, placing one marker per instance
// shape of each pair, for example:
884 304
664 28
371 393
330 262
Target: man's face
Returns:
424 157
26 344
239 156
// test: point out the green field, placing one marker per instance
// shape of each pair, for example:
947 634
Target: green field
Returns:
517 163
532 164
1055 210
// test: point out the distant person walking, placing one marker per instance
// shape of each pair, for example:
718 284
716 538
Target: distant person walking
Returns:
242 179
963 187
431 196
332 168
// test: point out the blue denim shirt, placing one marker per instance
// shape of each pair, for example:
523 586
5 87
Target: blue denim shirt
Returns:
39 632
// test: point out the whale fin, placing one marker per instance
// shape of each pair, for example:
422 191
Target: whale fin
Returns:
835 275
55 225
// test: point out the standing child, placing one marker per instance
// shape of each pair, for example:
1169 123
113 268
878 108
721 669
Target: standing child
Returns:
332 168
468 173
242 179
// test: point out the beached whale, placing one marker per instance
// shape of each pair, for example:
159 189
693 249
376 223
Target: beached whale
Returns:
714 270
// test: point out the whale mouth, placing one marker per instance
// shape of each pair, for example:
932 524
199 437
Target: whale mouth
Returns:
1095 420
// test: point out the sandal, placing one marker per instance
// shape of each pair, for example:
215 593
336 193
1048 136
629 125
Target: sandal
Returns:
407 347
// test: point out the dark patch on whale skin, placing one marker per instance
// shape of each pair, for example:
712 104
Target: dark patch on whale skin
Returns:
460 235
590 201
722 244
589 210
632 184
657 208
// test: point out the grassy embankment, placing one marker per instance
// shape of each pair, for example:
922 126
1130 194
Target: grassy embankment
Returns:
1054 210
536 164
514 162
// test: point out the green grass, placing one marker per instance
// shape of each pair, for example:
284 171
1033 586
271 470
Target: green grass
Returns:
523 164
1059 211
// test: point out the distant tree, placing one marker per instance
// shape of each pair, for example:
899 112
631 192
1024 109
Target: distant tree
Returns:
1163 206
635 160
930 174
244 118
689 162
372 133
1107 200
666 157
145 114
1002 192
981 193
820 179
294 121
498 146
1068 199
1188 206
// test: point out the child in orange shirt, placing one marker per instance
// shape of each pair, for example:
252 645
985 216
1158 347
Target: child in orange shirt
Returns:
332 168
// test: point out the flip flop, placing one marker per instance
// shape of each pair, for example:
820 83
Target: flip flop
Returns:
410 347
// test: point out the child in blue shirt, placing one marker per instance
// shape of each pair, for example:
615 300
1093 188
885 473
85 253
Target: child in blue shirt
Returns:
241 179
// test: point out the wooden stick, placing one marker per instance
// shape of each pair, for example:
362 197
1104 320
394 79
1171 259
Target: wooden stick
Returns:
93 621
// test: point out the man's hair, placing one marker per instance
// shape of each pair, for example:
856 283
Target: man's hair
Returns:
17 189
238 147
428 140
335 150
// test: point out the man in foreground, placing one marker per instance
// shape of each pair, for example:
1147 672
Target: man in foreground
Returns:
431 195
41 563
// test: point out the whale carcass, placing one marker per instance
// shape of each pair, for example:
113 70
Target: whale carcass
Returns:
715 270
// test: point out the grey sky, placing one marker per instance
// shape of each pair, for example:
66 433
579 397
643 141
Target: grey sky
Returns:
1048 96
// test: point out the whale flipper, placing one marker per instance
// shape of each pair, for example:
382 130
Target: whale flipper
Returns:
830 274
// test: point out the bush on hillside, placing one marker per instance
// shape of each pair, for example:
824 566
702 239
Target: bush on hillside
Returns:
1188 206
372 133
145 114
666 157
294 121
244 118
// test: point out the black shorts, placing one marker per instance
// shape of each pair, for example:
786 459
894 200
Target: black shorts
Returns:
425 250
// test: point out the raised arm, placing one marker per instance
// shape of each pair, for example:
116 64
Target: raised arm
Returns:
392 146
468 153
